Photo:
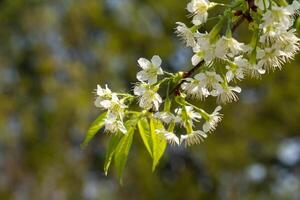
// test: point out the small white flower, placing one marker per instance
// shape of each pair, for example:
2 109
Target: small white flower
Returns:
113 105
269 58
210 79
186 34
170 137
166 117
238 69
213 120
278 17
228 47
187 115
103 92
150 69
270 35
226 94
255 71
195 88
148 97
203 49
196 137
199 9
113 124
288 43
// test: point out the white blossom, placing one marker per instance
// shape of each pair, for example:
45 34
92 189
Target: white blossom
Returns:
113 124
148 98
186 34
188 115
228 47
170 137
210 79
203 50
103 94
288 43
114 106
166 117
193 138
213 120
195 88
255 71
198 9
226 94
278 17
269 58
238 68
150 69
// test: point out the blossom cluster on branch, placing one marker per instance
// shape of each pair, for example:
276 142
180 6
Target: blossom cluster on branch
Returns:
219 62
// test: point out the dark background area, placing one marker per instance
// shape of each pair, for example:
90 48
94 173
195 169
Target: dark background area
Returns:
52 55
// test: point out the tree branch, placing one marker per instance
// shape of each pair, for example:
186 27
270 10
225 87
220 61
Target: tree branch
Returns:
244 16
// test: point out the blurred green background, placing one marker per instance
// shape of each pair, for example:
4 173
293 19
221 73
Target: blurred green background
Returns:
52 55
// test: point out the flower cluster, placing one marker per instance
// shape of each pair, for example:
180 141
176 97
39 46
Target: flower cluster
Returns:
219 62
109 101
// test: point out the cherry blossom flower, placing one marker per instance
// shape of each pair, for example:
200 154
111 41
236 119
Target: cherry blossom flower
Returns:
199 9
186 34
148 98
193 138
213 120
150 69
170 136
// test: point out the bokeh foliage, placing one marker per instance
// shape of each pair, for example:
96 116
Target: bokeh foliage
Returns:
52 55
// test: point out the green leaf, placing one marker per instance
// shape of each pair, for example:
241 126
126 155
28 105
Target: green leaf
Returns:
159 142
145 133
122 150
94 128
114 141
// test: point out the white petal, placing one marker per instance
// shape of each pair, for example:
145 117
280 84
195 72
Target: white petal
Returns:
156 60
190 7
152 80
261 71
99 90
218 108
97 102
229 76
237 89
196 60
105 103
160 71
142 76
159 99
206 127
144 63
139 90
200 76
121 127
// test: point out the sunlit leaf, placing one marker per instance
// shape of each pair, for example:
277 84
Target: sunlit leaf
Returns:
145 133
122 150
113 143
159 142
94 128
